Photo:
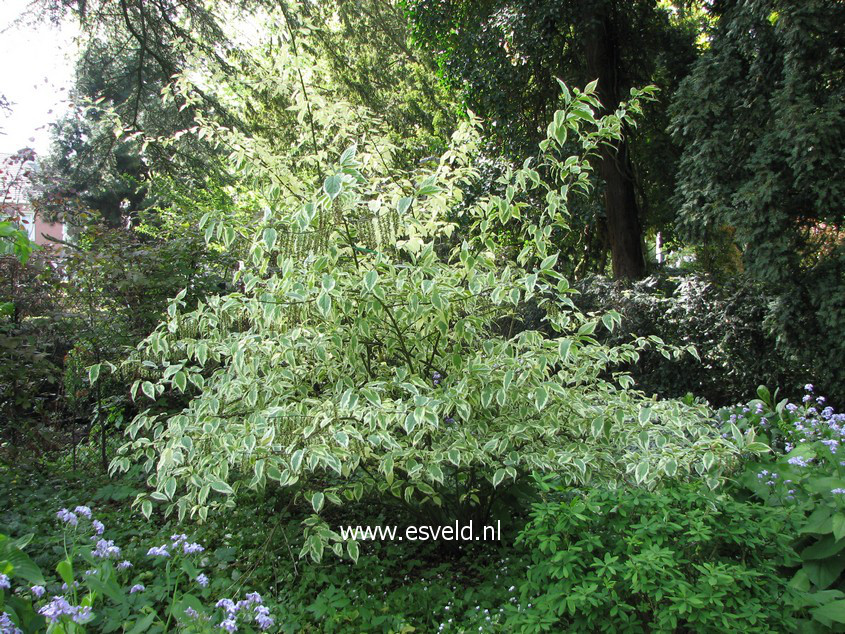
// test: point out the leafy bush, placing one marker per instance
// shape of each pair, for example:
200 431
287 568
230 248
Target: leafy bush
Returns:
108 596
359 357
34 337
675 559
805 475
725 321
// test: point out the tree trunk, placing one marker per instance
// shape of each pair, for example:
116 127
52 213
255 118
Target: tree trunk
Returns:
621 209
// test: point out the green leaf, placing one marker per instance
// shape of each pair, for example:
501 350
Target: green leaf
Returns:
347 159
317 501
65 570
221 487
644 415
839 526
324 303
404 204
548 263
270 238
148 389
641 472
428 190
352 549
170 487
22 566
142 625
370 280
498 477
833 611
563 349
410 422
541 397
181 380
332 185
93 373
826 547
296 459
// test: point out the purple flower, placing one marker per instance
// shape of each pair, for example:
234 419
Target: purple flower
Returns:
7 626
791 407
138 587
809 387
158 551
67 517
178 539
106 549
229 625
838 491
83 510
254 597
82 614
123 565
263 617
228 605
799 461
4 582
57 608
190 549
38 591
202 580
807 398
191 612
98 526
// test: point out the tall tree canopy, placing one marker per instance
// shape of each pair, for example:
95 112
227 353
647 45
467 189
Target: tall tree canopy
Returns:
504 57
762 121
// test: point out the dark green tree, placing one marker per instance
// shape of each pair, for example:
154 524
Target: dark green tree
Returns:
131 50
503 58
761 119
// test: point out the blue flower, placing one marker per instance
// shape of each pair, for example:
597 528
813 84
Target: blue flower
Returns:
229 625
228 605
799 461
7 626
263 617
192 548
138 587
202 580
38 591
59 607
98 526
123 565
4 582
838 491
67 517
83 510
105 549
809 387
158 551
